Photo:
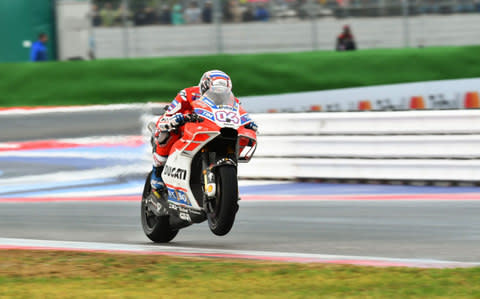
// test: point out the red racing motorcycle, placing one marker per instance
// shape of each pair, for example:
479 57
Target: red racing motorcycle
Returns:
201 171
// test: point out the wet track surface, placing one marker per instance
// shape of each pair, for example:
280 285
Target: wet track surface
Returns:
427 229
68 125
436 230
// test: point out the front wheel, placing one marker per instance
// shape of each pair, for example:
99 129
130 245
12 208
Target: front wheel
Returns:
222 209
156 228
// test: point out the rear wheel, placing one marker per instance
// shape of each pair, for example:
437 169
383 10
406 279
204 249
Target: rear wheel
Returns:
221 210
156 228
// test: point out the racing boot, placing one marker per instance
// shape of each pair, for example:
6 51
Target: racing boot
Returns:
156 179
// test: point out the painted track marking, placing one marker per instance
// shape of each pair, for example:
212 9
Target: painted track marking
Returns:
31 244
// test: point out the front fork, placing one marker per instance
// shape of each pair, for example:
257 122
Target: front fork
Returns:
209 183
209 179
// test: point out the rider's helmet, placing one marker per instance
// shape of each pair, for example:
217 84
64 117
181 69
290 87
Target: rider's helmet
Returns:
215 80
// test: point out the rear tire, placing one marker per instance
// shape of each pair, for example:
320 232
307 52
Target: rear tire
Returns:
222 210
156 228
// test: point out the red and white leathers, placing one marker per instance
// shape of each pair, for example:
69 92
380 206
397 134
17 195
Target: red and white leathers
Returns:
167 130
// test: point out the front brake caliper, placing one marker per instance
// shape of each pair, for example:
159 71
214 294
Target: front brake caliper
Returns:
209 182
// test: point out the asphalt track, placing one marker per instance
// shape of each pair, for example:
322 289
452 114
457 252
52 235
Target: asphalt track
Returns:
414 229
446 230
68 123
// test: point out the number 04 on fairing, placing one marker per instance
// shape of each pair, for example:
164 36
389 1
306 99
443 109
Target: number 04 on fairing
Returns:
201 171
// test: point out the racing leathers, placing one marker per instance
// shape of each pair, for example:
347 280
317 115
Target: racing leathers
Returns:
169 129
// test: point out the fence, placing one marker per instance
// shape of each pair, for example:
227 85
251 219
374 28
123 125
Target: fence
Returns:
135 28
409 145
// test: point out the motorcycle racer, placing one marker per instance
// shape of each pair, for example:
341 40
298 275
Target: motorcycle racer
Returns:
169 128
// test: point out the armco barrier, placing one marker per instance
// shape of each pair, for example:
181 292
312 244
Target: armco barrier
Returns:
413 145
373 123
385 169
403 146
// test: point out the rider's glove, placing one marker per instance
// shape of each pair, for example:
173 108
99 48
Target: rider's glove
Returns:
252 126
193 117
177 120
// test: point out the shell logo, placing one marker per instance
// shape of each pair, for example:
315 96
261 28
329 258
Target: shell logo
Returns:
209 188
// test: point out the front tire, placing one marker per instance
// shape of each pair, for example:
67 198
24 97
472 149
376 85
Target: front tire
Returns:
222 210
156 228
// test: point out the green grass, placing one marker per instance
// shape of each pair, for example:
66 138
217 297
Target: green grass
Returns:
43 274
159 79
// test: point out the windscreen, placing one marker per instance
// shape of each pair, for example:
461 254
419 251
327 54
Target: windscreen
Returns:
221 98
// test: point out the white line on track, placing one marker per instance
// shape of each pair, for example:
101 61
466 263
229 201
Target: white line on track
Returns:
9 243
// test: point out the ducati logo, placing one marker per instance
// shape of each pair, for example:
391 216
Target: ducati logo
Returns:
177 173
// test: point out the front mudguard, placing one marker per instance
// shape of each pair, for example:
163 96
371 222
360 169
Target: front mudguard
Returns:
222 161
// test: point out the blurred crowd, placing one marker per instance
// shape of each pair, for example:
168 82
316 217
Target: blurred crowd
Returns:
188 12
147 12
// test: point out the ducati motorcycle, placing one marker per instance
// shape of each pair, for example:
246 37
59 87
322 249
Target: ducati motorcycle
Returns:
200 174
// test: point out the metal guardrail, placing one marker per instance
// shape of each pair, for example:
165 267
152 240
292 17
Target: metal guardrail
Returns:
371 147
413 145
370 123
362 169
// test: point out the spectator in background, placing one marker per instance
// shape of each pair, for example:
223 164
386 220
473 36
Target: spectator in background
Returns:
120 13
107 14
207 12
261 14
150 16
236 11
193 13
165 15
226 13
140 17
177 15
249 14
38 52
145 16
91 47
301 8
345 41
465 6
429 6
94 16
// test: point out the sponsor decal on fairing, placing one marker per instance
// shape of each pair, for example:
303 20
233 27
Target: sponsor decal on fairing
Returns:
205 113
176 173
178 196
245 118
174 107
209 102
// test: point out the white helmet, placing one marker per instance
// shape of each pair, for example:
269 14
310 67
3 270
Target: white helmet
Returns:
215 80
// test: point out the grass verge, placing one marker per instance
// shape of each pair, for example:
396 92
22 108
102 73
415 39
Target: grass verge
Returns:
152 79
47 274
